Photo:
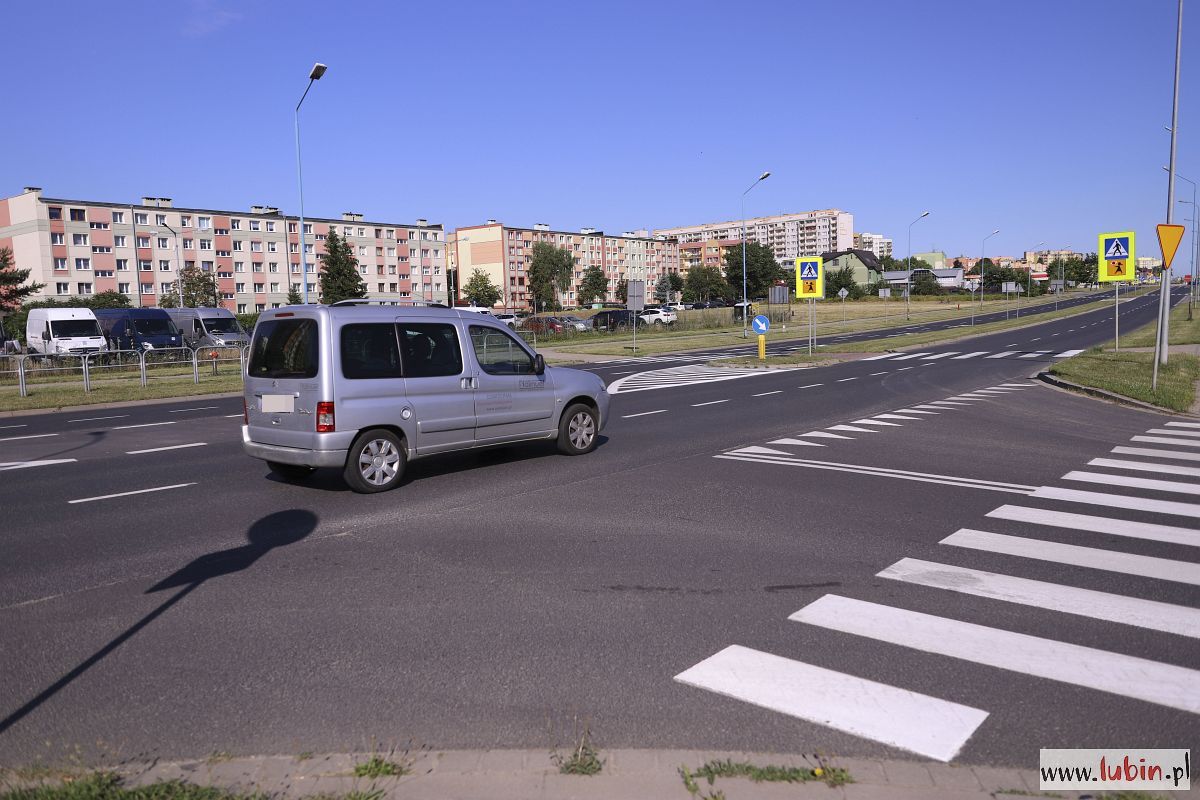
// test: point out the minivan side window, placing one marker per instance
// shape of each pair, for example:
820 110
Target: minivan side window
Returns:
284 348
499 353
369 350
429 349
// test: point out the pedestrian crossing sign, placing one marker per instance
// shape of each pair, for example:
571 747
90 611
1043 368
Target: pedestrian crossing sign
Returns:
1116 257
810 277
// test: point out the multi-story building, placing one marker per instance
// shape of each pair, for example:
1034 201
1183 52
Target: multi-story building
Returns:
504 253
1047 257
705 254
877 243
82 247
790 236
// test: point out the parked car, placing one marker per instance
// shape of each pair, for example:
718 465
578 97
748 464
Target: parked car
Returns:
209 327
659 315
63 331
578 323
138 328
545 325
508 319
367 388
476 309
617 319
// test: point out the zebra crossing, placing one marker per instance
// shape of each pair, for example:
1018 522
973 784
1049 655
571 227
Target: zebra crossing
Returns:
685 376
1116 503
956 355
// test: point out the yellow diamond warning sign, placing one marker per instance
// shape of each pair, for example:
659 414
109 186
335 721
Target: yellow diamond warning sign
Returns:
1117 256
1169 237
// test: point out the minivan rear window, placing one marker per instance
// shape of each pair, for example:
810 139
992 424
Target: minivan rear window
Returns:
284 348
369 350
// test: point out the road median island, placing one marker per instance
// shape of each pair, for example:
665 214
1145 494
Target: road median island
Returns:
789 361
1126 375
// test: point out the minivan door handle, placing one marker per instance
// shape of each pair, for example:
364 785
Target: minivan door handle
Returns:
469 383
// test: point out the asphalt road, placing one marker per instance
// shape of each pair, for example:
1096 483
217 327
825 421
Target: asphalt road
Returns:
498 596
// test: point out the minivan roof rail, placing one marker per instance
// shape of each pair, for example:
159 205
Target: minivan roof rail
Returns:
363 301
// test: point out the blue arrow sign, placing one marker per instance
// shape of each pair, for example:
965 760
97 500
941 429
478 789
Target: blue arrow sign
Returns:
761 323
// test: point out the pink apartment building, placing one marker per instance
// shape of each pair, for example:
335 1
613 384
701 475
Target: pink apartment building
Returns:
504 254
82 247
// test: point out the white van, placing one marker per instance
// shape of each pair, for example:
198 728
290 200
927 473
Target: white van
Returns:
63 331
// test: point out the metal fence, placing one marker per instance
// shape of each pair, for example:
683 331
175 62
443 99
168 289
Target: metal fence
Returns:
61 370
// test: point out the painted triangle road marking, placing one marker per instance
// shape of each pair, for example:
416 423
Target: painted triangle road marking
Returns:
826 435
794 442
759 451
852 429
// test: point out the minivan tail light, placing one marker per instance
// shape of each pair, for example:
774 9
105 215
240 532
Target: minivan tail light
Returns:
324 417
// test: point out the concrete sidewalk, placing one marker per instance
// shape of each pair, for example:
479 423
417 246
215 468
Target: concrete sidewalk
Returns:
626 775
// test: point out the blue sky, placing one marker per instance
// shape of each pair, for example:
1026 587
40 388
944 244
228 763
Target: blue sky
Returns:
1044 119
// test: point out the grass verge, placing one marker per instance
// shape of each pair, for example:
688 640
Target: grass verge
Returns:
1129 374
52 397
379 767
584 758
817 359
1181 330
710 771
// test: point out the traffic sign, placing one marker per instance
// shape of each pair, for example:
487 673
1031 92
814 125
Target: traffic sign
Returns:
885 293
1117 256
1169 237
810 277
842 292
761 324
635 295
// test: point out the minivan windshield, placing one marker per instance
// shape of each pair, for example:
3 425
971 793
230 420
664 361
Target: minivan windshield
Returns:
155 327
67 328
221 325
284 348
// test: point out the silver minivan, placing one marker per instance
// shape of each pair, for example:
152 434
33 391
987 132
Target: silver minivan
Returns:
367 387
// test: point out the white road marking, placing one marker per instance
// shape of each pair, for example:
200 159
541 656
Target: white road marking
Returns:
873 374
874 422
127 494
893 416
7 465
918 723
629 372
1166 569
903 368
1153 453
1115 673
1035 355
935 409
97 419
231 416
947 403
764 451
1169 432
672 377
1036 338
764 394
1145 466
644 413
826 435
1018 385
811 386
907 356
1084 522
1132 482
970 355
936 356
709 403
1005 353
877 358
801 442
852 429
29 436
843 380
1183 424
917 411
882 472
1068 353
6 427
142 425
160 449
1151 614
200 408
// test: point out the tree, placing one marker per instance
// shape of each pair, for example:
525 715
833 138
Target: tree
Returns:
593 286
480 291
199 289
703 284
958 264
13 289
840 279
294 298
762 270
676 282
108 299
623 290
662 288
923 283
339 271
550 273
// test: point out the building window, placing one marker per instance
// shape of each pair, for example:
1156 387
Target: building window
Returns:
258 267
255 247
272 247
254 225
140 219
362 231
78 215
118 217
60 263
235 224
270 226
119 241
160 219
101 248
206 266
84 288
241 308
62 288
123 288
143 241
58 238
185 222
239 266
98 226
164 265
274 267
164 288
240 288
223 254
83 263
274 287
122 265
147 288
237 246
204 223
162 243
104 273
292 227
55 213
220 231
145 264
79 238
258 287
206 244
308 228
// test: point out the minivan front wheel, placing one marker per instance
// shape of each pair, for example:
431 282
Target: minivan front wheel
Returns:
376 462
577 430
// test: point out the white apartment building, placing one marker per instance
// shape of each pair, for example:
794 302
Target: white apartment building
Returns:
877 243
809 233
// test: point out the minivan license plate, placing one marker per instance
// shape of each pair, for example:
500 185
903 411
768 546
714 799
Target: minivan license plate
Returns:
278 403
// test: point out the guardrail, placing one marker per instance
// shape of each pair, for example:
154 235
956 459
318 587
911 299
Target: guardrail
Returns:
35 369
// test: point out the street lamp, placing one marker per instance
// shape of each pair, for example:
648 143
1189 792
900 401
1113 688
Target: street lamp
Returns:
314 75
982 251
1028 279
908 278
745 300
178 271
1192 288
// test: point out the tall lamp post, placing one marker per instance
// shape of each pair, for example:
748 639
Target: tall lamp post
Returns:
1192 288
178 271
1028 279
745 300
908 278
314 75
982 252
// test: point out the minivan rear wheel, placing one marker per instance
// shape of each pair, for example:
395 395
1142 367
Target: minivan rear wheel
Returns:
291 472
577 430
376 462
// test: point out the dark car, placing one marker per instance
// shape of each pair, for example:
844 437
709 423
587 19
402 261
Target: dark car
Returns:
546 325
616 319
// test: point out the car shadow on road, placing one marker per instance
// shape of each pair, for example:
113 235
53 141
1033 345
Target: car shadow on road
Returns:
274 530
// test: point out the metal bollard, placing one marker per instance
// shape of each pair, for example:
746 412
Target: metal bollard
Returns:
87 383
142 367
22 388
195 366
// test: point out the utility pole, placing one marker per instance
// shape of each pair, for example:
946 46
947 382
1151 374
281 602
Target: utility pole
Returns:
1164 307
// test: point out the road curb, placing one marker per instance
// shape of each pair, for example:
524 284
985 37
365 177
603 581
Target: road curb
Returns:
626 773
1104 394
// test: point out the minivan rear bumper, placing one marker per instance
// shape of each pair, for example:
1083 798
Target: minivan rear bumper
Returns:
291 455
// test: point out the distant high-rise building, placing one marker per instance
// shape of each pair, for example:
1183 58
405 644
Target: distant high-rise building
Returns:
83 247
877 243
789 236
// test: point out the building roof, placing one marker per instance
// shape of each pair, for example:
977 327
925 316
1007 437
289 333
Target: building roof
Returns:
868 258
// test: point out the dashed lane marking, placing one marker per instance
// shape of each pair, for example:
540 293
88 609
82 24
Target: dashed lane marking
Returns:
129 494
28 436
142 425
97 419
644 413
160 449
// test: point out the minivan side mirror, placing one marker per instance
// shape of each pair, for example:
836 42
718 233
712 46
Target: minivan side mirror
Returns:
45 336
539 365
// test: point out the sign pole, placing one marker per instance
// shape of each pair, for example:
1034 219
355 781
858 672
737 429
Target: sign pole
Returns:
1117 315
1164 306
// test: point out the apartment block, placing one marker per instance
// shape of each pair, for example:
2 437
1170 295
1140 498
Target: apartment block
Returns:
505 252
82 247
1050 256
790 236
878 244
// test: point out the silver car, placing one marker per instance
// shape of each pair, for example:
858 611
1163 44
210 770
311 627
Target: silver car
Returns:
366 388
